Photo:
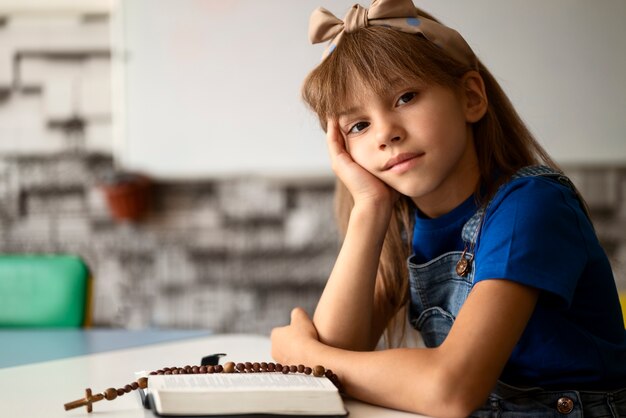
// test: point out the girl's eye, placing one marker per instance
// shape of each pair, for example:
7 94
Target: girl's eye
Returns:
358 127
406 97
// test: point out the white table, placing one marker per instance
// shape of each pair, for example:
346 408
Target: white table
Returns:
41 389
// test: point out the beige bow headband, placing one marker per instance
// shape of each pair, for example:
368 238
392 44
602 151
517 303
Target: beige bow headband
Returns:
398 14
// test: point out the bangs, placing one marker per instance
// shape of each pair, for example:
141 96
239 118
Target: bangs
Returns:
373 59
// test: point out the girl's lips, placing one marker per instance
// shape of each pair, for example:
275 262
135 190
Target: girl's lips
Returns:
401 161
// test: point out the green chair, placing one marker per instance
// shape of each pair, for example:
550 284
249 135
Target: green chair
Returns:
44 291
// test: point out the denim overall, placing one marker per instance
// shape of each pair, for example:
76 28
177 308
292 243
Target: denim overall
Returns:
437 293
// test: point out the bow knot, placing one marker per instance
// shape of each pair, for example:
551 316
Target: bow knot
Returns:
325 26
355 19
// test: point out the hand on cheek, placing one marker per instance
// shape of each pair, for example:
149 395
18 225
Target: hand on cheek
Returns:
362 184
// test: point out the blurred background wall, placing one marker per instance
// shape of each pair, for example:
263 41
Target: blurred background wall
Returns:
232 250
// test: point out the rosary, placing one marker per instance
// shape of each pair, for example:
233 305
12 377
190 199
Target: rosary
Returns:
229 367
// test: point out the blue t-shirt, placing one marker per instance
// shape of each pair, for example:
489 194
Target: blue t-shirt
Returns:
536 233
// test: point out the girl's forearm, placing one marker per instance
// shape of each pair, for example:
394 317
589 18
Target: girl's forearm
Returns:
413 380
345 314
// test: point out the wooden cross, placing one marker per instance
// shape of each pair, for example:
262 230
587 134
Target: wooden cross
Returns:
86 401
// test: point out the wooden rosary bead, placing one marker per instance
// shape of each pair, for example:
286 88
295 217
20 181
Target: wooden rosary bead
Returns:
300 368
308 370
271 367
203 369
219 368
142 382
285 369
120 391
318 371
110 394
229 367
134 385
293 369
210 369
256 366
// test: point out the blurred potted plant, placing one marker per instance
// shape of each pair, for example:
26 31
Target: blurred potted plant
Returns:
128 195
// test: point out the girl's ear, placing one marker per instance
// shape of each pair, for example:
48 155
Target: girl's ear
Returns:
474 96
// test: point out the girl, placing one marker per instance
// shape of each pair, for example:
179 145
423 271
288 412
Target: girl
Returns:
455 217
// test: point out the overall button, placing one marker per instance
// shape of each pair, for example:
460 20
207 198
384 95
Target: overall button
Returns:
565 405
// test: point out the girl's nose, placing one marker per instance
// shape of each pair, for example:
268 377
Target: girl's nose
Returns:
383 145
389 133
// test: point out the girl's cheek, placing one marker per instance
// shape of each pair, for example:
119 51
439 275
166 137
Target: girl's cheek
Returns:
358 157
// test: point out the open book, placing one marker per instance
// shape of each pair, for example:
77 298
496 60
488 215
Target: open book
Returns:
244 394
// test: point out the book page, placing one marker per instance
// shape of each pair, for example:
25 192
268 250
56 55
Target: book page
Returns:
240 381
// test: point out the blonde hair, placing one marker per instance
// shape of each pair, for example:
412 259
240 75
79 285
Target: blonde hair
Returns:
373 58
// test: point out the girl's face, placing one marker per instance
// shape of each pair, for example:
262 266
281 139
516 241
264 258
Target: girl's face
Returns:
418 140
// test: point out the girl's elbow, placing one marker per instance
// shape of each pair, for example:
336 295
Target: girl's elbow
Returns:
443 407
461 408
457 396
451 407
